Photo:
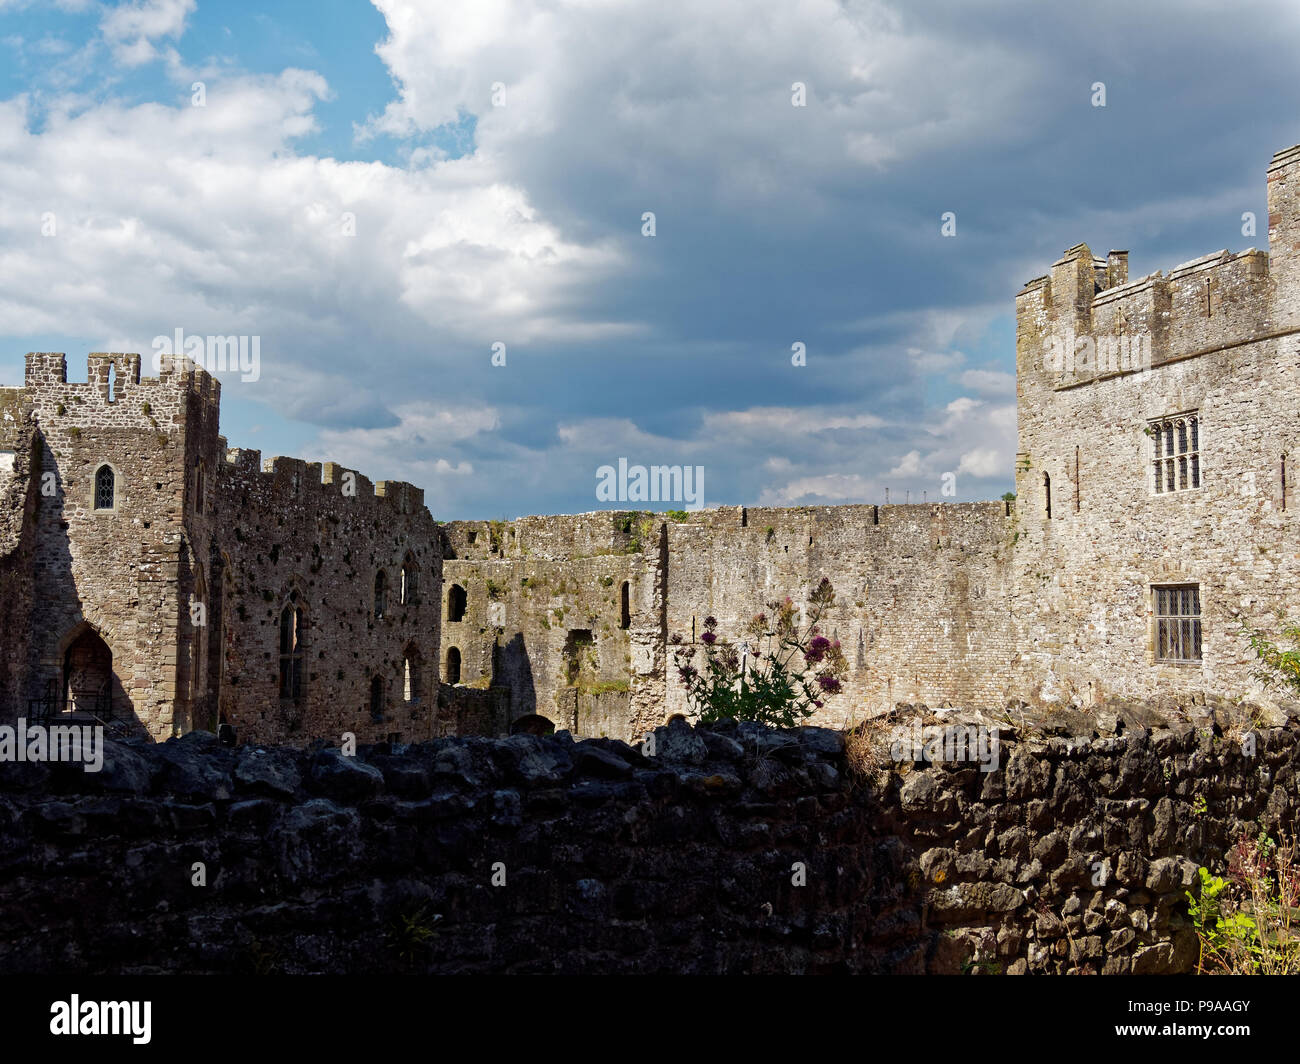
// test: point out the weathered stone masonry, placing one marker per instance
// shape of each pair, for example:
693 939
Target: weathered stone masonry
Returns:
614 862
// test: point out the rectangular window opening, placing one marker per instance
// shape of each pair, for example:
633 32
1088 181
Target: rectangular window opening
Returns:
1178 623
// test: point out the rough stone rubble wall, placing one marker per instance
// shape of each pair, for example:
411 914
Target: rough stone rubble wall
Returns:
731 850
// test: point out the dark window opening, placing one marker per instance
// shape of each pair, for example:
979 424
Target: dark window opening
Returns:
1076 480
625 607
88 675
456 603
381 594
451 674
576 644
1047 493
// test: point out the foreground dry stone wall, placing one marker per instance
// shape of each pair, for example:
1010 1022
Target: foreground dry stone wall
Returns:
734 849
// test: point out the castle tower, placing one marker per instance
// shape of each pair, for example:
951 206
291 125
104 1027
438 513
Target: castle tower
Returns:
118 505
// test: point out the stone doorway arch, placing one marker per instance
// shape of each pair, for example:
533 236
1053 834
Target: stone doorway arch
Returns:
88 679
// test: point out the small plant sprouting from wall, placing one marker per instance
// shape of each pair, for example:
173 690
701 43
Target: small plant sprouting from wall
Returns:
494 590
777 677
676 515
412 935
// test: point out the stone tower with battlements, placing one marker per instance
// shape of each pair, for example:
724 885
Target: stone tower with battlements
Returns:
149 575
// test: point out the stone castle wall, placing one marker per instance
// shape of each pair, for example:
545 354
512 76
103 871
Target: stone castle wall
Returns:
922 603
921 594
545 620
729 850
323 534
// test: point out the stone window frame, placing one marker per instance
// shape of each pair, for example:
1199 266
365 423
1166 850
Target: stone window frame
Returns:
118 483
1195 621
1188 453
293 599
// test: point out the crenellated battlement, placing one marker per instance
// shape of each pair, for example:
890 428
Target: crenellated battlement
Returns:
296 478
1208 304
1085 321
114 386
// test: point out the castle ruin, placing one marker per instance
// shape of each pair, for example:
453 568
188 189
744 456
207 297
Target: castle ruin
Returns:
151 575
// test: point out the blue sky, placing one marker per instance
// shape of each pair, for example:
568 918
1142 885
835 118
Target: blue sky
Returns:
494 160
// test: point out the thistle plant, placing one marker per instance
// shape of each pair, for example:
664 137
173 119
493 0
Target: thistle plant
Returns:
777 675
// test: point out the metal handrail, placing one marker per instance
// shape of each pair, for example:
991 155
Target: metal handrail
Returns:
99 705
